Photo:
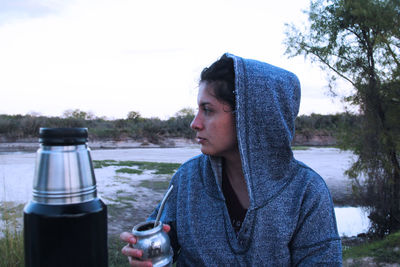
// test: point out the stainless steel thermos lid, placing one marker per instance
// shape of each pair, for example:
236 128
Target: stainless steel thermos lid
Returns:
64 173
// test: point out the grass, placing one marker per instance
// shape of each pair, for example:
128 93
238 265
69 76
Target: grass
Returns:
115 257
155 185
10 212
121 180
114 209
103 163
159 167
12 243
121 199
129 170
300 147
386 250
12 248
125 199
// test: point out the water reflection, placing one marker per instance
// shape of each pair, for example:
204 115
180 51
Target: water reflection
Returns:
351 221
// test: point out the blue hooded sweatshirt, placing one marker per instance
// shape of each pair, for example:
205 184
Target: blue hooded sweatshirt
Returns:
290 220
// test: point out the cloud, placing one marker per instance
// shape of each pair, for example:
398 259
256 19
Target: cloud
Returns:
112 57
14 10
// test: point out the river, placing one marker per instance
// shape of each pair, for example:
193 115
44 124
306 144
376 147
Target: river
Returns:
17 169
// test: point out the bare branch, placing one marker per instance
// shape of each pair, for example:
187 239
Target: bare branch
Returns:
308 50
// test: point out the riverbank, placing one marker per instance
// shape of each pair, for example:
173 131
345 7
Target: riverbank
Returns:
32 144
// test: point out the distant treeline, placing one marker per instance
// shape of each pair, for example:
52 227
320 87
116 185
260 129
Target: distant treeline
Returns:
14 127
332 125
327 130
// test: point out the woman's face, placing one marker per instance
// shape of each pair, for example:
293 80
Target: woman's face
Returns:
214 124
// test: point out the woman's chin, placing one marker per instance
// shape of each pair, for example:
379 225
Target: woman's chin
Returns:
206 151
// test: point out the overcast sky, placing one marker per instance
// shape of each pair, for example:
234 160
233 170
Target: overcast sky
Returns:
110 57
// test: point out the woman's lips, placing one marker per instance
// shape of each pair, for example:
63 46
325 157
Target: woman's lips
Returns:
201 140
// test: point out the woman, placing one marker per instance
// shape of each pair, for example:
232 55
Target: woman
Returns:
246 201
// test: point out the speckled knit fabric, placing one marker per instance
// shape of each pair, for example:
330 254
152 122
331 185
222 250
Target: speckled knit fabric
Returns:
290 221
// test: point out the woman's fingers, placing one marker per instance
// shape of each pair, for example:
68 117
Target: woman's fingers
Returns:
128 237
166 228
132 252
134 256
136 263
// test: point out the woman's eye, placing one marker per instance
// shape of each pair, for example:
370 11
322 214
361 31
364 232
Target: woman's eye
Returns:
207 111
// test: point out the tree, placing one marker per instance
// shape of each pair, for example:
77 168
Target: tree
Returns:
78 114
133 115
185 112
359 41
180 123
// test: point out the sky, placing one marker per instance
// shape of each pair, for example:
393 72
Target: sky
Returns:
110 57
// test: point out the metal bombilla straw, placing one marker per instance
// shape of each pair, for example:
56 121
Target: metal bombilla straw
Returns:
162 206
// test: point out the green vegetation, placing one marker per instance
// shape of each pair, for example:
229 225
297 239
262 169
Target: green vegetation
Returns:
129 170
11 244
383 251
10 212
11 248
300 147
335 125
153 130
122 179
103 163
159 167
125 199
155 185
115 257
134 126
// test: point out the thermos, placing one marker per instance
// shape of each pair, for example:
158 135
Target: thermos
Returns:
65 223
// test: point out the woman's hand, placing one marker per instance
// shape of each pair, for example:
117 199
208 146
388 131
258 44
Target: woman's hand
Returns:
135 254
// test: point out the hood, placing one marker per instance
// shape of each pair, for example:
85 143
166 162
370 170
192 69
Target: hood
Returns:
267 103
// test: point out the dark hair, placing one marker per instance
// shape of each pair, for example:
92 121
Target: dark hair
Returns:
221 76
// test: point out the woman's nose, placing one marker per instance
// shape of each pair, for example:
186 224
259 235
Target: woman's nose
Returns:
196 123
